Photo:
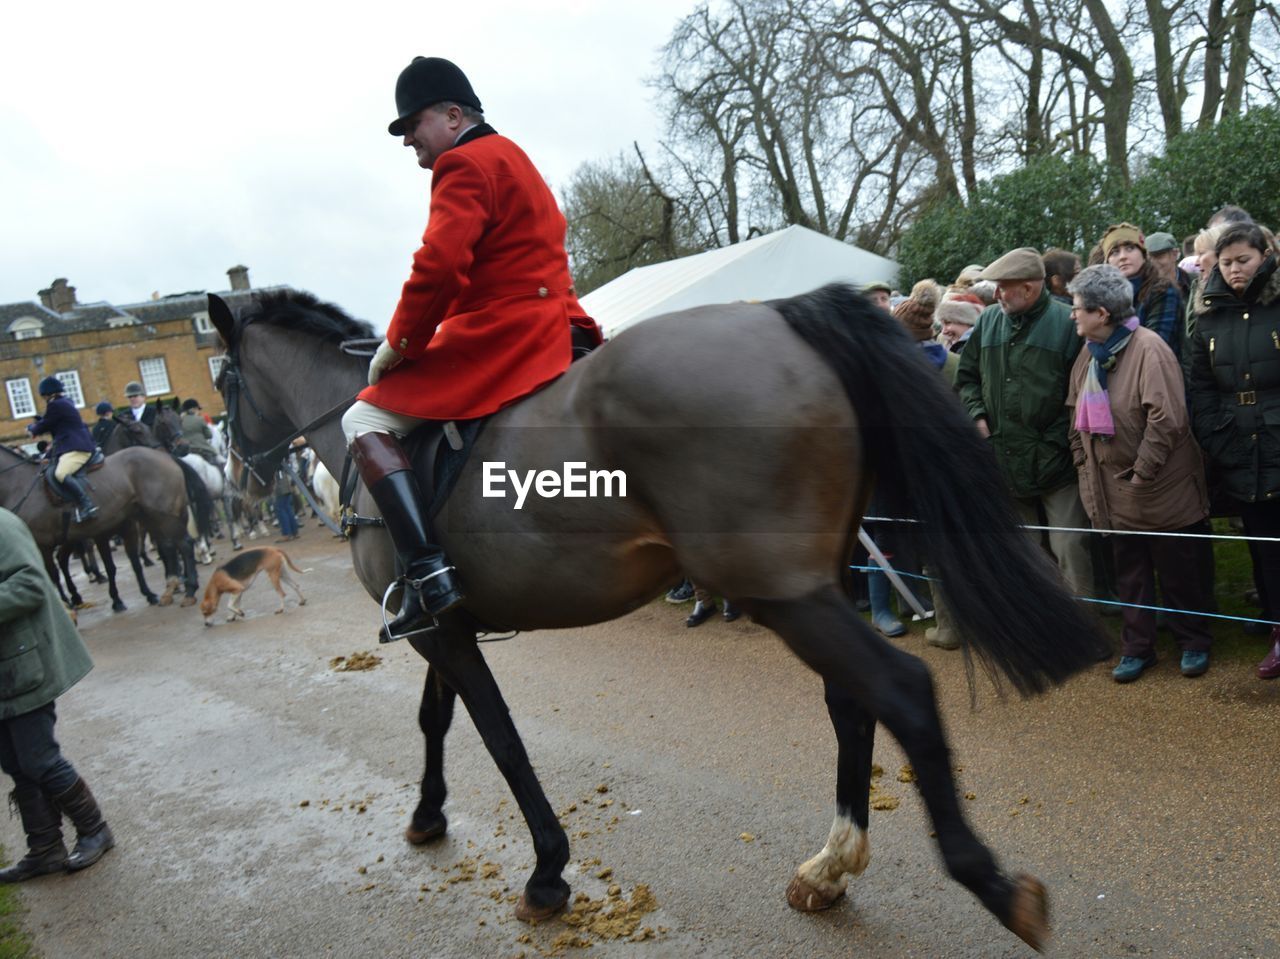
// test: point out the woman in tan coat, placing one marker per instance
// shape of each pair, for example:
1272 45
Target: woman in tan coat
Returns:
1140 469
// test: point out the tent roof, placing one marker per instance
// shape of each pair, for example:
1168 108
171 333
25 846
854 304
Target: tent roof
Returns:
785 263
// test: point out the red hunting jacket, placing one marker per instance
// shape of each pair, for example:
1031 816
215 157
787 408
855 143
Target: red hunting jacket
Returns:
485 315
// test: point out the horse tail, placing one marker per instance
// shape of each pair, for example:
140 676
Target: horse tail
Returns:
199 498
1004 593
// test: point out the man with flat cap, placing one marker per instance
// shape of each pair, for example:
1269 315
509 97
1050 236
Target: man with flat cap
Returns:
1013 379
483 320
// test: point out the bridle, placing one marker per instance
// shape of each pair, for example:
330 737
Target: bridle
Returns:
233 385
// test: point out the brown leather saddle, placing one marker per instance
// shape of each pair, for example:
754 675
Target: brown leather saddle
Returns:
53 489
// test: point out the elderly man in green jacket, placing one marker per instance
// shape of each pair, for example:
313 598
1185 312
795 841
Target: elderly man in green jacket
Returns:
1013 379
41 657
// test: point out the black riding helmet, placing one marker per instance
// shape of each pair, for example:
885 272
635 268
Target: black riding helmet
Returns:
429 80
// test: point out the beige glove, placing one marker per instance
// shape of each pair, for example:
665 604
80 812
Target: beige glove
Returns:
383 360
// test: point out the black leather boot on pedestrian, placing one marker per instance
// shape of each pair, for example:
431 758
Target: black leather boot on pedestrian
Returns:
430 585
85 510
93 835
42 823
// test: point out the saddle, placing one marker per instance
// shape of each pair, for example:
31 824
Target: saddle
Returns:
53 489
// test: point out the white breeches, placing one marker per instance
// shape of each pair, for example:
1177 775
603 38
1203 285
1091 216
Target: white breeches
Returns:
364 417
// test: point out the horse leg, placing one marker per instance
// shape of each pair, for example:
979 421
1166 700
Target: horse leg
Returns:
191 576
64 564
104 547
129 536
172 578
457 657
435 714
820 881
90 564
229 508
826 632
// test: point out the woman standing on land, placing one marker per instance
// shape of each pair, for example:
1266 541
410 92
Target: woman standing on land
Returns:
1234 394
1139 468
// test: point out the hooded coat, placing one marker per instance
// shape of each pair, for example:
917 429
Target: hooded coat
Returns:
1234 386
41 653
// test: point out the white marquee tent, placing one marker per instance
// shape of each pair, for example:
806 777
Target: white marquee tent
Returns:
791 261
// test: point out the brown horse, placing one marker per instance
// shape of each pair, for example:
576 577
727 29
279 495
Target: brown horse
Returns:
136 486
749 437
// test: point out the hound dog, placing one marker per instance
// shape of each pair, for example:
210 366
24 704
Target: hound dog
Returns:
238 575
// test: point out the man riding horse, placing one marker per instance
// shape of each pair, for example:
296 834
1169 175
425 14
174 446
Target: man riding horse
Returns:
483 320
72 445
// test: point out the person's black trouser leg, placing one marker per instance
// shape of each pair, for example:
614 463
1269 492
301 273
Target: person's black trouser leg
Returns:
431 585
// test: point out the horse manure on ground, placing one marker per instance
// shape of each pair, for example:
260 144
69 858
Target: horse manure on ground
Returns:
615 917
356 662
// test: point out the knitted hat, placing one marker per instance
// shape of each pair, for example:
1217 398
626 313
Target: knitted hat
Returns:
916 311
959 308
1122 233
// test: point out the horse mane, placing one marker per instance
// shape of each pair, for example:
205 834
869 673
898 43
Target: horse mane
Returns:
305 313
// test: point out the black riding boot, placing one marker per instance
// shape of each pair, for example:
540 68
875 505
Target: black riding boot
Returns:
76 485
43 825
93 835
431 585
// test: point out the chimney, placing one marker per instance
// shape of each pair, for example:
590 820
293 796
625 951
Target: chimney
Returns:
59 297
239 277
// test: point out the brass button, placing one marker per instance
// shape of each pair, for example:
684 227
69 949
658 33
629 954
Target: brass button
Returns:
1246 376
404 344
1254 437
542 291
1246 316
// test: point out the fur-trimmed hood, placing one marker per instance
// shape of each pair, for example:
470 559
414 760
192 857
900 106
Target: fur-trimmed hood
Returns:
1264 290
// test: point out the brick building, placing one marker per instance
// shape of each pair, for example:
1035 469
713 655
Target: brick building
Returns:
167 343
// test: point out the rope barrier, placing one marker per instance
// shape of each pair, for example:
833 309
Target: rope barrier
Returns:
1107 532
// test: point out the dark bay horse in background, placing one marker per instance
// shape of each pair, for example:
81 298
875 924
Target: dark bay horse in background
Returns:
136 487
750 436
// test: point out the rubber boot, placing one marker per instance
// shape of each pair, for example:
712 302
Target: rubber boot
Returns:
93 835
1269 668
431 586
880 592
43 825
85 510
942 635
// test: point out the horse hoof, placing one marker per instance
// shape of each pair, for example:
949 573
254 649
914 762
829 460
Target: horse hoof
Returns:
188 601
433 829
527 912
153 599
118 606
1029 911
805 898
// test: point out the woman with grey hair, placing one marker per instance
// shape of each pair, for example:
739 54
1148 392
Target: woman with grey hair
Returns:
1140 469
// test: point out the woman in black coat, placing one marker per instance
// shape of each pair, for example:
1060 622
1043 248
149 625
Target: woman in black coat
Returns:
1234 393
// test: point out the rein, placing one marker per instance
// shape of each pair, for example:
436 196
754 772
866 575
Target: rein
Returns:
233 383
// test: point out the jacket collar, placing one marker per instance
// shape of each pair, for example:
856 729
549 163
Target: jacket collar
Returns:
1034 312
477 131
1263 289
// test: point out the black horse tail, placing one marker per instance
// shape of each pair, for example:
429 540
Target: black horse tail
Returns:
1004 593
199 498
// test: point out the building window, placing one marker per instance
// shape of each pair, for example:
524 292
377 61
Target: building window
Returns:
26 328
216 363
203 323
155 376
20 400
71 387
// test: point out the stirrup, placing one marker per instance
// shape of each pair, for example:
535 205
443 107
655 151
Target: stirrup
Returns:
414 584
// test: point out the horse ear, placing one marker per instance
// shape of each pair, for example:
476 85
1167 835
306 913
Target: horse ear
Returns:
224 321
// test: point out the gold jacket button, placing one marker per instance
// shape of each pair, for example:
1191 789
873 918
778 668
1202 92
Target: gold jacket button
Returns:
404 344
542 291
1246 316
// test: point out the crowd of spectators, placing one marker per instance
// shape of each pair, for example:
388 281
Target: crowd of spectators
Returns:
1135 396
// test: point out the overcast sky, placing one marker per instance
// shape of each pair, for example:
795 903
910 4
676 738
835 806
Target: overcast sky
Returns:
149 146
